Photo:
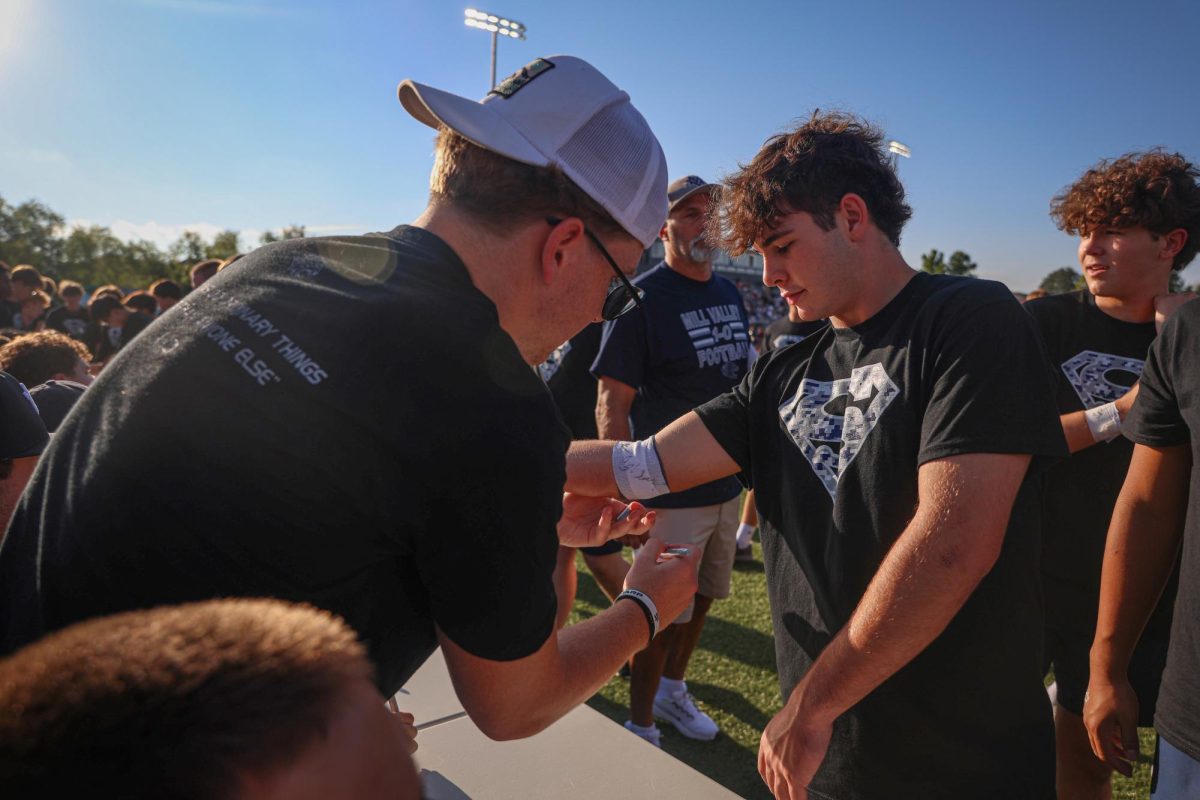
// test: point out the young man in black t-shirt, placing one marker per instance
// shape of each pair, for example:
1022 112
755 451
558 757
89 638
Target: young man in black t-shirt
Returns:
71 318
1098 339
1157 511
780 333
891 460
310 426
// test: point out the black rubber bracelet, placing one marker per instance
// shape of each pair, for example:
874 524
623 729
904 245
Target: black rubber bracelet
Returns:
645 611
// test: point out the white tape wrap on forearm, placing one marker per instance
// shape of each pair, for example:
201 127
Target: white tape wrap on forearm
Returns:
637 470
1104 422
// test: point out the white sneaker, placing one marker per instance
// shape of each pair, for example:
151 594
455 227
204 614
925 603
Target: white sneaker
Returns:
653 735
679 709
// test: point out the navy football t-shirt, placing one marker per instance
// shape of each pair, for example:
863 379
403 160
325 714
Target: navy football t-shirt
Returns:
689 343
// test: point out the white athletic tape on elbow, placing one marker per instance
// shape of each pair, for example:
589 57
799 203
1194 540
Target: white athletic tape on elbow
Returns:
1104 422
637 470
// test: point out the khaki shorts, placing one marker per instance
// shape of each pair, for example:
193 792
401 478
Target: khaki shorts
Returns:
713 528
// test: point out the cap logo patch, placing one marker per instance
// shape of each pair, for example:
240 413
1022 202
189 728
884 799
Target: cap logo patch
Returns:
521 78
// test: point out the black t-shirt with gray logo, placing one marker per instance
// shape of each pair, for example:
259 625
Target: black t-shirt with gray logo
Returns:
1167 414
830 433
1096 359
338 420
783 332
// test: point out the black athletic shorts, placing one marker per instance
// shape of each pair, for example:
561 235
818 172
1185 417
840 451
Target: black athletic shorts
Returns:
1068 654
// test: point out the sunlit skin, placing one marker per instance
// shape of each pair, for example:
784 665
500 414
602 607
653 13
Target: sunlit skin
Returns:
846 273
73 302
1126 268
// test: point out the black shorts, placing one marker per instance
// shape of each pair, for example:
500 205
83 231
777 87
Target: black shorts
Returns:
1068 654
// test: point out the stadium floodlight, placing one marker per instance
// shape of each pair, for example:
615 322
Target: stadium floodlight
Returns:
497 26
898 151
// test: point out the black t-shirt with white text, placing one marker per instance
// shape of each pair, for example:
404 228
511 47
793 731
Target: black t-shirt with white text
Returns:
783 332
338 420
1167 414
830 434
688 343
1096 358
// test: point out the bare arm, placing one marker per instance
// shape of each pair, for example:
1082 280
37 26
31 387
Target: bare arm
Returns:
1075 427
949 546
514 699
689 454
1143 543
614 400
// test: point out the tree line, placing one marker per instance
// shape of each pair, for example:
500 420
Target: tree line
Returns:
33 233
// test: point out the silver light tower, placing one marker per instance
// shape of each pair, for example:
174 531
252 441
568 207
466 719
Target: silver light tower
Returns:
496 25
898 151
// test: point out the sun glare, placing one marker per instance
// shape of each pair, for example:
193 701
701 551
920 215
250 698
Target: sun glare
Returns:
16 30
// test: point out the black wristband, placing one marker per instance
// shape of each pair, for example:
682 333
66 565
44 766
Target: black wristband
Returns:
645 611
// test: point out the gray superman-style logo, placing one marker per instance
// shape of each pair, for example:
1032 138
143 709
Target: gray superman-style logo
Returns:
1091 375
831 441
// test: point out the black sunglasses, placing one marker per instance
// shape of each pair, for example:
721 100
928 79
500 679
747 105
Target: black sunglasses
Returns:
622 296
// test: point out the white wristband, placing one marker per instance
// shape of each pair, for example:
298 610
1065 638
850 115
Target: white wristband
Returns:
1104 422
637 470
643 600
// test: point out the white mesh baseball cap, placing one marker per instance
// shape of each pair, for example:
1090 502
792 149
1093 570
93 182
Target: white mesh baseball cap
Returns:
561 110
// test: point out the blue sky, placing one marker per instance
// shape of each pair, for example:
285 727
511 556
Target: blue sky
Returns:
153 116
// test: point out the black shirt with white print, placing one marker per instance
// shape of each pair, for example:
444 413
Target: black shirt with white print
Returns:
1097 359
309 426
1167 414
783 332
830 433
72 323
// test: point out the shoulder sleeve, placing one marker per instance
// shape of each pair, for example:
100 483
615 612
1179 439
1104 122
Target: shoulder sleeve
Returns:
1156 420
727 417
488 554
987 382
623 349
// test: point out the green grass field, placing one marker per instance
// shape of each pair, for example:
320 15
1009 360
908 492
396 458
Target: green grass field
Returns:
732 676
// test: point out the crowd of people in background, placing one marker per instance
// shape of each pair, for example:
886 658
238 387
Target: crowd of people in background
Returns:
934 467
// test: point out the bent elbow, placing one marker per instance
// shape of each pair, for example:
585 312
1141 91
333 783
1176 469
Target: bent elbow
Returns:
505 726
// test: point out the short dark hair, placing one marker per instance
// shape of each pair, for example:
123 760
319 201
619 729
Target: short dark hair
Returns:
178 702
811 169
35 358
141 300
165 287
207 268
69 288
23 273
1154 190
498 192
103 305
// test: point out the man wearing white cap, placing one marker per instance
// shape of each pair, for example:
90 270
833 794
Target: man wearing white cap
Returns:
369 436
689 345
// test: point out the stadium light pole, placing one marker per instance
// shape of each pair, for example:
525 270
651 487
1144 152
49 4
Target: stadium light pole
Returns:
497 26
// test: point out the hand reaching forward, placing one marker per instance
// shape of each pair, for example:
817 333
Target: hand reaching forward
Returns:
588 521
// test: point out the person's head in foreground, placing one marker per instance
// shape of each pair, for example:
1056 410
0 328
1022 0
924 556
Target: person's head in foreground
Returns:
822 204
557 177
1137 218
221 699
36 358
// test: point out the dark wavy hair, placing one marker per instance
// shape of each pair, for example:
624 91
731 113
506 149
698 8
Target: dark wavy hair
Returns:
1154 190
811 169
